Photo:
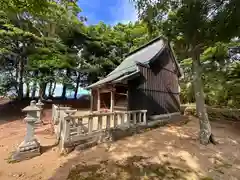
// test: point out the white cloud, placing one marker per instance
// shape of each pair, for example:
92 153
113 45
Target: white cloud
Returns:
124 12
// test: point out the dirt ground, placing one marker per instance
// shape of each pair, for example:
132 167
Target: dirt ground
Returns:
169 152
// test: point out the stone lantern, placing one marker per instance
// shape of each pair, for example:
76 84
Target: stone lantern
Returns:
39 104
30 147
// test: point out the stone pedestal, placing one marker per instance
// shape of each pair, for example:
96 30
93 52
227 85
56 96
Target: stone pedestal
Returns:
26 150
30 147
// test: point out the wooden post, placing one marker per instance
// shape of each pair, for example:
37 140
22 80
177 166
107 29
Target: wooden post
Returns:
144 118
112 101
115 120
66 132
139 117
122 119
108 121
80 127
98 100
90 124
127 100
119 119
128 119
100 122
101 136
91 102
134 118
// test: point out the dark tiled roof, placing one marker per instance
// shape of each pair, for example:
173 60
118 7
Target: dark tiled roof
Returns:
128 66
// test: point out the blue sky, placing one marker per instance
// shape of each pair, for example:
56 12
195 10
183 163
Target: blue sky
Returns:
108 11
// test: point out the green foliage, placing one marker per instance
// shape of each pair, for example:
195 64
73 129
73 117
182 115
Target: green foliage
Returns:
104 54
33 39
41 40
215 114
199 29
220 76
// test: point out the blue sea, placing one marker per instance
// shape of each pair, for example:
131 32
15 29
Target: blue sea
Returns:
58 92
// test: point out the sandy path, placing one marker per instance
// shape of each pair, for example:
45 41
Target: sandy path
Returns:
170 142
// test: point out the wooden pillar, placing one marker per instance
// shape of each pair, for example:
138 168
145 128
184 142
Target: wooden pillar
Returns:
145 118
91 101
98 100
112 101
127 100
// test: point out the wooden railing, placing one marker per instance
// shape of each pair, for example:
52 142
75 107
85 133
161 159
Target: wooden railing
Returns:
54 113
72 129
77 128
58 115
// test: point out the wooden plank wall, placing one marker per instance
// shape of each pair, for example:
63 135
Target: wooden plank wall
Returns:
157 88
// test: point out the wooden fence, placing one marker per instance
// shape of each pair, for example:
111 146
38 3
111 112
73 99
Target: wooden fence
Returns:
58 115
74 129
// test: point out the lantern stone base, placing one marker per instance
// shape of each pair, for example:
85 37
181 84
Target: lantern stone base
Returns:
26 150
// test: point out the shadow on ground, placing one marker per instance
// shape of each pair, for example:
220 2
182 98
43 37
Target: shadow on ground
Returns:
169 152
133 168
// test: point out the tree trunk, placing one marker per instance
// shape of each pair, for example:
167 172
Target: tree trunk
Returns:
50 89
77 85
53 89
42 90
20 79
65 85
16 76
64 91
205 127
27 90
34 87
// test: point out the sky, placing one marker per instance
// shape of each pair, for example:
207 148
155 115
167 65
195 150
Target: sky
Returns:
109 11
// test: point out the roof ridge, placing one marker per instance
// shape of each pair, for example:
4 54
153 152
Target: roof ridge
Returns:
144 45
138 50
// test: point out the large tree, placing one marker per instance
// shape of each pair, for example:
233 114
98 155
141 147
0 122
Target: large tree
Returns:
37 41
110 45
192 25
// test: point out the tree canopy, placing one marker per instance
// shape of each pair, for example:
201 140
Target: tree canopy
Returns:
47 43
196 27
